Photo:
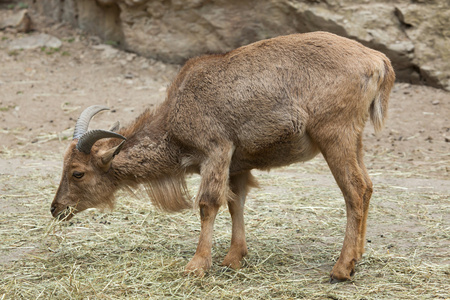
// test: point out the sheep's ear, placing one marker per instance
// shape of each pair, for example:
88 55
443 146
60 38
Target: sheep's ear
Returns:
109 155
115 127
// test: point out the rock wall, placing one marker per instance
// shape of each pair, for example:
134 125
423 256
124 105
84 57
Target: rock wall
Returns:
415 34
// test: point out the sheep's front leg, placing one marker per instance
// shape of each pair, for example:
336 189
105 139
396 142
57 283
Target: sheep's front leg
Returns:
201 261
239 185
213 193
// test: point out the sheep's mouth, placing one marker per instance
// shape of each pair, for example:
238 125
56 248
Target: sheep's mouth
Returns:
66 214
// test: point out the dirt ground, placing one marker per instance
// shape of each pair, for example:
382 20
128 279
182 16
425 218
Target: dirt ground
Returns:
42 92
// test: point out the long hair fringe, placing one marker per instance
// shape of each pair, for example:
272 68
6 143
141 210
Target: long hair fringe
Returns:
168 193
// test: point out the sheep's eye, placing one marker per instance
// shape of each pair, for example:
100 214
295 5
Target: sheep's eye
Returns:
78 175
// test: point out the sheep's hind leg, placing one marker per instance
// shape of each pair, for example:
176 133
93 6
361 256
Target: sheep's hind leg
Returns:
366 197
344 161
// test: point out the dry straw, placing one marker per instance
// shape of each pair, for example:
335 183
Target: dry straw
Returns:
295 226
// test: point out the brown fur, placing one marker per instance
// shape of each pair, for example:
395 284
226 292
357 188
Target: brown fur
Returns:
268 104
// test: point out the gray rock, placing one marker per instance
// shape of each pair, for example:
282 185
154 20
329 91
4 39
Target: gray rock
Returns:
107 51
35 41
19 20
428 28
415 36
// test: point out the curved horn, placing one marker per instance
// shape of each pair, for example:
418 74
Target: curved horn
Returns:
83 121
87 140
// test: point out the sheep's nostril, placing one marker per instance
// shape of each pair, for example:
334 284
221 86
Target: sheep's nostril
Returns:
52 209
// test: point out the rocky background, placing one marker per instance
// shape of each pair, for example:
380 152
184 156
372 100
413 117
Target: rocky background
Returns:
415 34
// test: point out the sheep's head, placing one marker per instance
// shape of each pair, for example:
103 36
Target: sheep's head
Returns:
85 181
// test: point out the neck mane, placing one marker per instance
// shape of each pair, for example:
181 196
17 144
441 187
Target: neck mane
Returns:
151 160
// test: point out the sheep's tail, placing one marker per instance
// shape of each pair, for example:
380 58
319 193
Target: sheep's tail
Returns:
379 105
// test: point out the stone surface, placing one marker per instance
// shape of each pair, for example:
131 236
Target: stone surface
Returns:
16 19
35 41
414 34
428 27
